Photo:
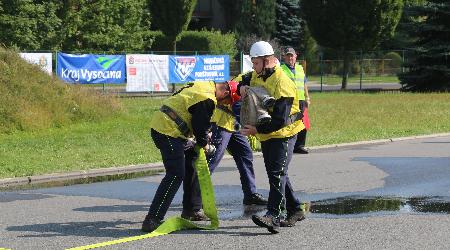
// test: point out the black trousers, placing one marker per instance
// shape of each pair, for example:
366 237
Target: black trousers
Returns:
277 155
179 166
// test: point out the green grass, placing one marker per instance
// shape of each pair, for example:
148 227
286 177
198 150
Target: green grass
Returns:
123 139
334 79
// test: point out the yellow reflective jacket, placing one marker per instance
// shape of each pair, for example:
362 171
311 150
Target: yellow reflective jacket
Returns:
224 119
180 102
280 85
298 78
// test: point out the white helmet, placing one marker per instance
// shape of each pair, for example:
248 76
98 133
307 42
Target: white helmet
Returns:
261 48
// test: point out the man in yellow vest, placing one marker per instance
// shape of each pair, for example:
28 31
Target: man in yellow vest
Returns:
226 136
296 73
277 137
185 114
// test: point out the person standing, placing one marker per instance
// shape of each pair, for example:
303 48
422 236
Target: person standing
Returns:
296 73
277 137
226 136
186 113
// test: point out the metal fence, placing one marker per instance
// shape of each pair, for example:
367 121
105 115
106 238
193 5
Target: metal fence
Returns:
366 69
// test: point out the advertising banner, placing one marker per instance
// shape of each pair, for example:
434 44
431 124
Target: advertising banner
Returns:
246 64
199 68
44 60
147 72
88 68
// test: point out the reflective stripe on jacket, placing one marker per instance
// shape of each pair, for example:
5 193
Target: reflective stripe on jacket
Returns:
180 102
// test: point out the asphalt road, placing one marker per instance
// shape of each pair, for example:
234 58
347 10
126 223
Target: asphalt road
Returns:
392 195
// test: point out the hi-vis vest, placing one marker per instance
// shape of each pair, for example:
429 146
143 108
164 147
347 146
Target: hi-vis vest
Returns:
223 117
280 85
180 102
298 78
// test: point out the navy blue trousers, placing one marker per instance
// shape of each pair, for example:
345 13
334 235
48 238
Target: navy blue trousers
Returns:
277 155
178 163
239 147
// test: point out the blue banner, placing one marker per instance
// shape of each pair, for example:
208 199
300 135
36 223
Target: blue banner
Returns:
199 68
89 68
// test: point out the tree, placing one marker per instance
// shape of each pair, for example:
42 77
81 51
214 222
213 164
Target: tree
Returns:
103 25
172 17
403 37
429 69
347 25
288 23
257 18
29 25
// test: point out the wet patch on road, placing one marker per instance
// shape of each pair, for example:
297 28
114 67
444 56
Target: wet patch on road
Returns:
354 206
10 197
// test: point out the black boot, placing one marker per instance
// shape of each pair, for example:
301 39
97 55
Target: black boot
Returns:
268 221
150 224
292 218
255 199
194 215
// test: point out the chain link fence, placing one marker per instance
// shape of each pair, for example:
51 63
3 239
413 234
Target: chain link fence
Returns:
366 69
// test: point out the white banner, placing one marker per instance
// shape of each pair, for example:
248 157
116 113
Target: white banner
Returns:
246 64
44 60
147 72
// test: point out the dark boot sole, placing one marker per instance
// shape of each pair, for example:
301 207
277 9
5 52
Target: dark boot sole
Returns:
260 223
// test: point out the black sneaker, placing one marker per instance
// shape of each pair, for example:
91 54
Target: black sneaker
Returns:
150 224
196 215
292 218
255 199
301 150
268 221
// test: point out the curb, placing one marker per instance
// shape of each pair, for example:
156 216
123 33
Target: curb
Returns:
58 177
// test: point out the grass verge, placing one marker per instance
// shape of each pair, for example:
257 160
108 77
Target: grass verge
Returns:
124 139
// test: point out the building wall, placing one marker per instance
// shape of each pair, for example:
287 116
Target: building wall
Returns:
208 14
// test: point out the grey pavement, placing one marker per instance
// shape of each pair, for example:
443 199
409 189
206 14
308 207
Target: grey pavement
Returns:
410 173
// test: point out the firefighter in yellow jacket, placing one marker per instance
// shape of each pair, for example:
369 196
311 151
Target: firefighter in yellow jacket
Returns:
226 136
277 137
185 114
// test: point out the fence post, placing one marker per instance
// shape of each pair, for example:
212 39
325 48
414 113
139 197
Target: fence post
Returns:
242 61
360 69
403 61
321 70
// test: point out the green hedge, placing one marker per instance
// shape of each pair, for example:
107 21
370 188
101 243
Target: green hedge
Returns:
204 42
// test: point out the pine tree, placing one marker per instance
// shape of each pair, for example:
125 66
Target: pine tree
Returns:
257 18
288 23
429 69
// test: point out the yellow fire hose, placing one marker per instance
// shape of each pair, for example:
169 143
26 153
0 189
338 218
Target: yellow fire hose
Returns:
173 224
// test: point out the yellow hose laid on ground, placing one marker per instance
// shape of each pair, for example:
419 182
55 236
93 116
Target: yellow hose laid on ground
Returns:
173 224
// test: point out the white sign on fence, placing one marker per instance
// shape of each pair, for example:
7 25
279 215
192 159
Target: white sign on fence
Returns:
44 60
246 64
147 72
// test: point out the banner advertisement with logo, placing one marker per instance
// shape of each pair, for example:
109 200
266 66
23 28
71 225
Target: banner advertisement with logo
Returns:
43 60
199 68
147 72
88 68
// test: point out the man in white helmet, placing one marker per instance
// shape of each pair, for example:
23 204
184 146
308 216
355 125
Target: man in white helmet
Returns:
277 136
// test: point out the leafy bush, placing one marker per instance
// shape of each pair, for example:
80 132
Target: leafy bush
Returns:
30 99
